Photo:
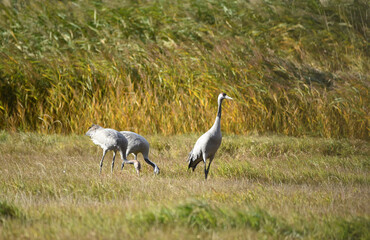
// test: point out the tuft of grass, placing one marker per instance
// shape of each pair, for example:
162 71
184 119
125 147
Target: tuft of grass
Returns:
3 136
356 228
201 216
8 210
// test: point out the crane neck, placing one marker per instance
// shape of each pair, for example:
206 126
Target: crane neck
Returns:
219 108
217 123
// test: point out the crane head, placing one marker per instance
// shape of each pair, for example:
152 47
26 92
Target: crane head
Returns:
223 96
92 130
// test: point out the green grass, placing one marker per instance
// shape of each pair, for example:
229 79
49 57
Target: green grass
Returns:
298 68
273 187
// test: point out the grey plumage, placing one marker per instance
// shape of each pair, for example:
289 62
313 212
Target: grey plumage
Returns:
138 144
111 140
208 144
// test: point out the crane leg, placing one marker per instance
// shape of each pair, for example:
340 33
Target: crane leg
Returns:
123 161
205 170
209 165
101 162
114 158
123 157
135 163
205 166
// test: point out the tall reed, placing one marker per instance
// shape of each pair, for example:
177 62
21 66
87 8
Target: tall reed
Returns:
298 68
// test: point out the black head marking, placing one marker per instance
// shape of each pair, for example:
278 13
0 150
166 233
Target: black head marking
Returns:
223 94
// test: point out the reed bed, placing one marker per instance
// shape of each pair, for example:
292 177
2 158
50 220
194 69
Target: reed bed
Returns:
293 67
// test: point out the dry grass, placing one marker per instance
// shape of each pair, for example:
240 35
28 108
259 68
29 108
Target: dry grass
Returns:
274 187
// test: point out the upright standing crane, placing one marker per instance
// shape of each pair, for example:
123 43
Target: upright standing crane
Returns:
208 144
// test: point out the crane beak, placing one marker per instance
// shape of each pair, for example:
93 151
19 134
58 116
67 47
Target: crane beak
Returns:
227 97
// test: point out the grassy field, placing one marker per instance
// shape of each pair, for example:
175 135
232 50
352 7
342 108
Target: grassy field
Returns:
272 187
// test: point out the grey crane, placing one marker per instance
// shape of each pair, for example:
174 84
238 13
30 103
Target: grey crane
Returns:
208 144
138 144
110 139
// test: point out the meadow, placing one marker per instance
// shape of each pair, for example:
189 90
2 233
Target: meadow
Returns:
259 187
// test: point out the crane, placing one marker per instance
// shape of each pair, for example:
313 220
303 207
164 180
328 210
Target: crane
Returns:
110 139
138 144
208 144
